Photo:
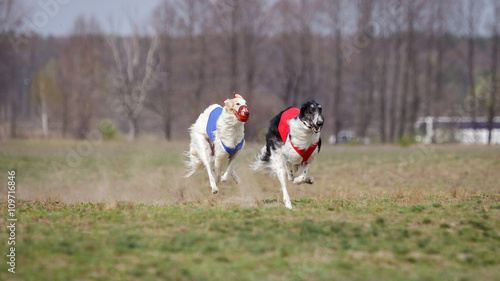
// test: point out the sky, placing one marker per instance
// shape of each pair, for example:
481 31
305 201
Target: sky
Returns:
56 17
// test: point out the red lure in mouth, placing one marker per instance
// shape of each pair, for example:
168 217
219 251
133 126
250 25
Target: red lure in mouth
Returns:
243 113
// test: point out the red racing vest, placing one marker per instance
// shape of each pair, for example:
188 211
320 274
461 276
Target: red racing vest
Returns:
284 129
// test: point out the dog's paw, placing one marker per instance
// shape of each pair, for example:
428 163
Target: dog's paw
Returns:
287 201
303 179
224 178
299 180
290 177
236 178
215 190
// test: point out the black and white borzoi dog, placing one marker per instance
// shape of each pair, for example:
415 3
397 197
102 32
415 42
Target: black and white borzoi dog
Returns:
292 142
218 135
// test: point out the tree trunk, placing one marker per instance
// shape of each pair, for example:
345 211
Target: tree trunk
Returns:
440 48
198 74
367 84
470 65
383 94
494 82
416 98
406 78
167 127
337 100
233 64
367 93
64 112
84 116
43 111
429 90
45 125
472 84
13 119
133 129
394 91
249 42
167 91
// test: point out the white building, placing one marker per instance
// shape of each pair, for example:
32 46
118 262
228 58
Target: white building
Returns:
456 129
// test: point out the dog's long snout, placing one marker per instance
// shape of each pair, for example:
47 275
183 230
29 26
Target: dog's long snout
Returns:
320 121
243 113
244 110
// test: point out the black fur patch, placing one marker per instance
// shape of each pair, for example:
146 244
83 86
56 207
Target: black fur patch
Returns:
273 137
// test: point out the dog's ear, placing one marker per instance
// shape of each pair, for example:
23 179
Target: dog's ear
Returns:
238 96
229 105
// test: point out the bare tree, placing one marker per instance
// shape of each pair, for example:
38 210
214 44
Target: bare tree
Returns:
471 11
80 59
63 69
194 16
440 51
229 18
334 10
410 72
394 97
495 80
296 19
366 96
41 95
165 23
11 79
416 75
287 48
430 44
252 31
134 73
383 44
45 94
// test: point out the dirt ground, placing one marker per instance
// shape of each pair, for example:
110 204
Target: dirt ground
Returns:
151 171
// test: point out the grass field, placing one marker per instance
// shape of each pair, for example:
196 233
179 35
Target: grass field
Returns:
120 211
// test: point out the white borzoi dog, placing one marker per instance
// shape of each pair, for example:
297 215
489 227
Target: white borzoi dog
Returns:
292 142
218 135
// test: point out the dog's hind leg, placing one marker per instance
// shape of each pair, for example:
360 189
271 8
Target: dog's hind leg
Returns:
230 170
205 155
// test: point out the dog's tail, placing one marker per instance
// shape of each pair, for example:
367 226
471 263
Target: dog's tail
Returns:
259 164
193 164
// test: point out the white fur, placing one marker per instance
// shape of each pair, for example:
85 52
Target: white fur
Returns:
285 161
229 130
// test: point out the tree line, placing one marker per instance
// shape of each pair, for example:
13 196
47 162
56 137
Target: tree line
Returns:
375 65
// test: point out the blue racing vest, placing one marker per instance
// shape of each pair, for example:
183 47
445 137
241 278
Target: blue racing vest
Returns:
212 127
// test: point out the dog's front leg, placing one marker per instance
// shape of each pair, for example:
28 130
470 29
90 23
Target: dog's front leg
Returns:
279 164
303 178
286 197
289 170
219 160
230 170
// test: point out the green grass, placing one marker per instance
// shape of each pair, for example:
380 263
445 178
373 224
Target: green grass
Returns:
374 213
375 239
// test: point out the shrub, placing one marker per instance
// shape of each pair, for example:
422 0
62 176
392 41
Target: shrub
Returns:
406 141
108 129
